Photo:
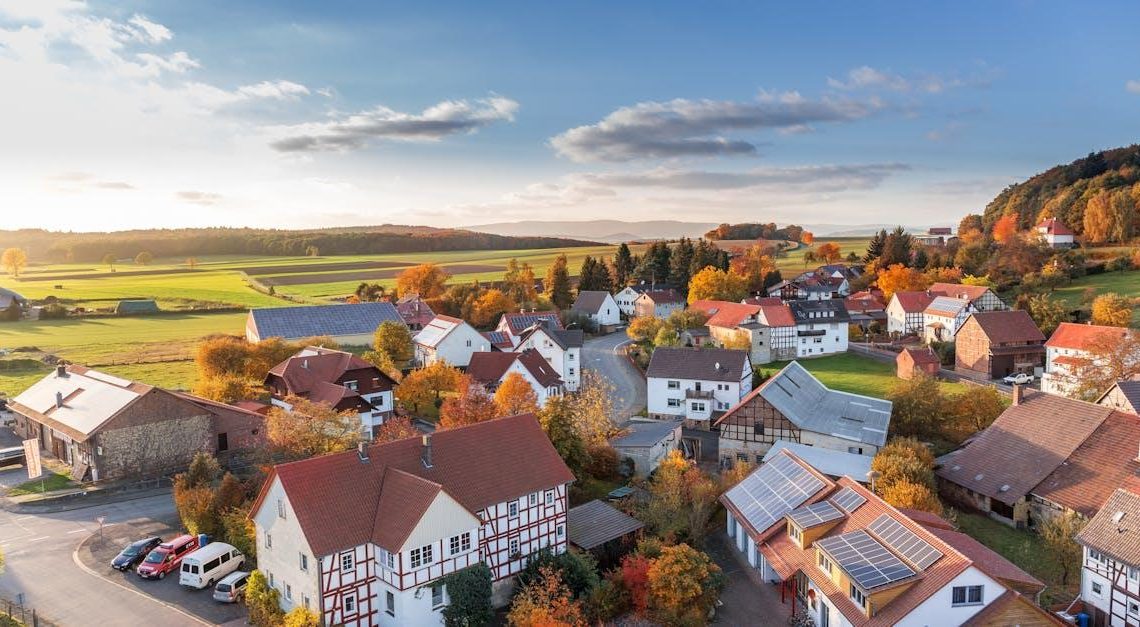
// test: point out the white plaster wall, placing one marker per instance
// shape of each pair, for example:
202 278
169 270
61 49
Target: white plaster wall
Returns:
938 609
283 558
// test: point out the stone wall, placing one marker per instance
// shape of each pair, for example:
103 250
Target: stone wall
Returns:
157 448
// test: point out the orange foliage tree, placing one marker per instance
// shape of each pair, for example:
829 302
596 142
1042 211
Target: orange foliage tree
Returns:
829 252
1005 229
472 405
428 385
716 284
395 428
546 602
899 278
515 396
426 279
807 237
489 306
683 585
753 263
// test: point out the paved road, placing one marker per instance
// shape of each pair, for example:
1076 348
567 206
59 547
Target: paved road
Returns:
605 356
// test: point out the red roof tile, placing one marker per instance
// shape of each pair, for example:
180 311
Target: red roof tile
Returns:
996 612
723 313
489 367
1003 327
1078 336
778 315
913 302
957 290
1098 466
1053 226
921 355
763 300
307 370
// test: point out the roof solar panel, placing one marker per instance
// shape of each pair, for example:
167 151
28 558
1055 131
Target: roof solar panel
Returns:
773 490
815 514
904 541
848 500
865 560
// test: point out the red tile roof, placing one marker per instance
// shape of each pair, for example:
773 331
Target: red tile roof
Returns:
723 313
1053 226
913 302
921 355
777 315
987 560
663 297
414 310
1098 466
304 372
489 367
1078 336
1003 327
763 300
957 290
999 611
341 501
862 304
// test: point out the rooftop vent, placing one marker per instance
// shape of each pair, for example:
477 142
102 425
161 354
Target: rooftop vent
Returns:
425 451
362 451
956 467
978 477
61 371
1004 488
1117 517
59 399
717 365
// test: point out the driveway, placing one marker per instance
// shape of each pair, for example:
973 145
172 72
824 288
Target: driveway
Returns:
606 356
745 599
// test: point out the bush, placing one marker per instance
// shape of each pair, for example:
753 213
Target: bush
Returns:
603 463
53 312
263 602
470 593
579 571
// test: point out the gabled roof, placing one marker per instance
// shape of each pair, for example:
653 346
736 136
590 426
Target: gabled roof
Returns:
1012 603
564 338
316 320
946 306
590 301
913 302
703 364
921 356
809 311
643 433
341 501
1026 443
863 304
986 559
723 313
1002 327
225 410
81 401
762 300
498 339
437 330
762 499
1105 460
1115 530
414 310
812 406
957 290
663 297
488 368
1130 390
828 461
1078 336
777 315
516 323
314 370
592 524
1053 226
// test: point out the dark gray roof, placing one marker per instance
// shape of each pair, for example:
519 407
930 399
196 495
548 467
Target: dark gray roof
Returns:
595 523
705 364
565 338
590 301
807 311
1130 390
646 433
333 320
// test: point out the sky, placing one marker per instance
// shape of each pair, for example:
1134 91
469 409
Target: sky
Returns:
286 114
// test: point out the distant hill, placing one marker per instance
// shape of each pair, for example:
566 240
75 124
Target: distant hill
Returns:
600 230
1108 181
361 240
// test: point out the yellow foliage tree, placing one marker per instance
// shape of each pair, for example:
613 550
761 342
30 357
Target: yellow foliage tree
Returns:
393 339
909 495
428 280
754 264
310 429
301 616
546 602
489 306
427 385
683 585
1112 310
716 284
470 406
644 328
226 388
899 278
14 259
515 396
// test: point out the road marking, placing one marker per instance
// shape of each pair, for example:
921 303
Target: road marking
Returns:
38 539
77 531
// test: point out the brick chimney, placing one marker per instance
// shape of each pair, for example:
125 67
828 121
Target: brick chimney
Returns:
1018 393
362 451
425 451
61 371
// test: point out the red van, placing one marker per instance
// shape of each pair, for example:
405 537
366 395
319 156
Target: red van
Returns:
167 557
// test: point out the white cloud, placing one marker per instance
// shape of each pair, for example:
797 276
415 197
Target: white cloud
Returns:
149 31
868 78
274 90
865 76
695 128
1132 87
814 178
199 198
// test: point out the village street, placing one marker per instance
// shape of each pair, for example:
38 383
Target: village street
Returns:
605 355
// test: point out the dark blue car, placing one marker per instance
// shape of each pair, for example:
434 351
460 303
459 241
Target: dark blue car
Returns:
134 553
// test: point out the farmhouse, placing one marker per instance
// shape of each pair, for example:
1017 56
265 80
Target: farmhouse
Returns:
1124 395
108 428
768 329
994 344
1068 350
943 316
1110 560
865 309
905 312
365 537
490 369
515 324
981 297
337 378
794 406
1055 233
646 443
561 348
347 325
912 361
1044 455
599 306
658 303
846 557
627 296
693 383
448 339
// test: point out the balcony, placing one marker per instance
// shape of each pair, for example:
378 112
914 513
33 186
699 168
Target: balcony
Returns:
698 394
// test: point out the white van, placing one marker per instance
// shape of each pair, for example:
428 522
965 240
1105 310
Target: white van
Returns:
209 564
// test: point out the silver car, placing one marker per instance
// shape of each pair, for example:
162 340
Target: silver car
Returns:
231 588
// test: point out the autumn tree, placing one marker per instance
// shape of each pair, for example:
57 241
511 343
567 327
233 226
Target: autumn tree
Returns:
807 238
972 410
829 252
427 279
393 339
301 616
518 284
226 388
682 500
203 494
558 283
309 429
667 336
908 495
1047 313
643 329
263 601
14 259
1005 229
1059 533
634 575
383 362
557 418
515 396
917 407
489 306
900 278
716 284
144 258
1110 356
109 261
470 406
1112 310
683 585
546 602
754 264
426 386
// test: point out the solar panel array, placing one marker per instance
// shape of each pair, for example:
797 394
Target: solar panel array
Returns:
848 500
815 514
773 490
904 541
866 561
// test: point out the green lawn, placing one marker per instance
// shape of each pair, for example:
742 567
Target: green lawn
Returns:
49 482
1028 551
181 290
793 264
853 373
1123 283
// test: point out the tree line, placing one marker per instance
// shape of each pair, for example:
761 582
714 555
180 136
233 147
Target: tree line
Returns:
755 230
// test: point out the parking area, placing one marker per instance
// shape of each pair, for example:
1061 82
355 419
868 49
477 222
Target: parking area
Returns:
96 554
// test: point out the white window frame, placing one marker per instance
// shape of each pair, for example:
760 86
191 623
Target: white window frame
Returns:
513 509
550 497
304 562
347 560
350 603
533 498
436 596
672 384
513 546
423 556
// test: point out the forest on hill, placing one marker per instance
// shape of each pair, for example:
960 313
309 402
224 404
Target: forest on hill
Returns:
1096 196
93 247
755 230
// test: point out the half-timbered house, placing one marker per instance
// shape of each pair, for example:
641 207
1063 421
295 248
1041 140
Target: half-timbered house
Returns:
1110 565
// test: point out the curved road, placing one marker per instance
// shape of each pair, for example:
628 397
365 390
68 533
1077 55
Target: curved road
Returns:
605 356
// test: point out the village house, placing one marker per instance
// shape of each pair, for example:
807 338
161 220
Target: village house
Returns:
768 329
366 537
448 339
107 428
347 325
696 384
833 463
627 296
490 369
1055 233
794 406
935 236
561 348
646 442
415 311
810 286
847 558
658 303
1124 396
821 327
912 361
599 306
943 316
1110 560
338 379
905 312
995 344
981 297
865 309
514 325
1068 351
1045 455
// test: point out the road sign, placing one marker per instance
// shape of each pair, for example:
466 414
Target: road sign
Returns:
32 458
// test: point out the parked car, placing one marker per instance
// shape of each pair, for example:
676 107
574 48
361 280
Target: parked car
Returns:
232 587
166 557
1020 378
208 564
134 553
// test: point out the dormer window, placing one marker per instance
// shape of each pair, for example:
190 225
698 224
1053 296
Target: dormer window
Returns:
352 385
860 599
823 562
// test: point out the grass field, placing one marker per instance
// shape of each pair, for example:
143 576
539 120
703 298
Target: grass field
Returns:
1028 551
1123 283
853 373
